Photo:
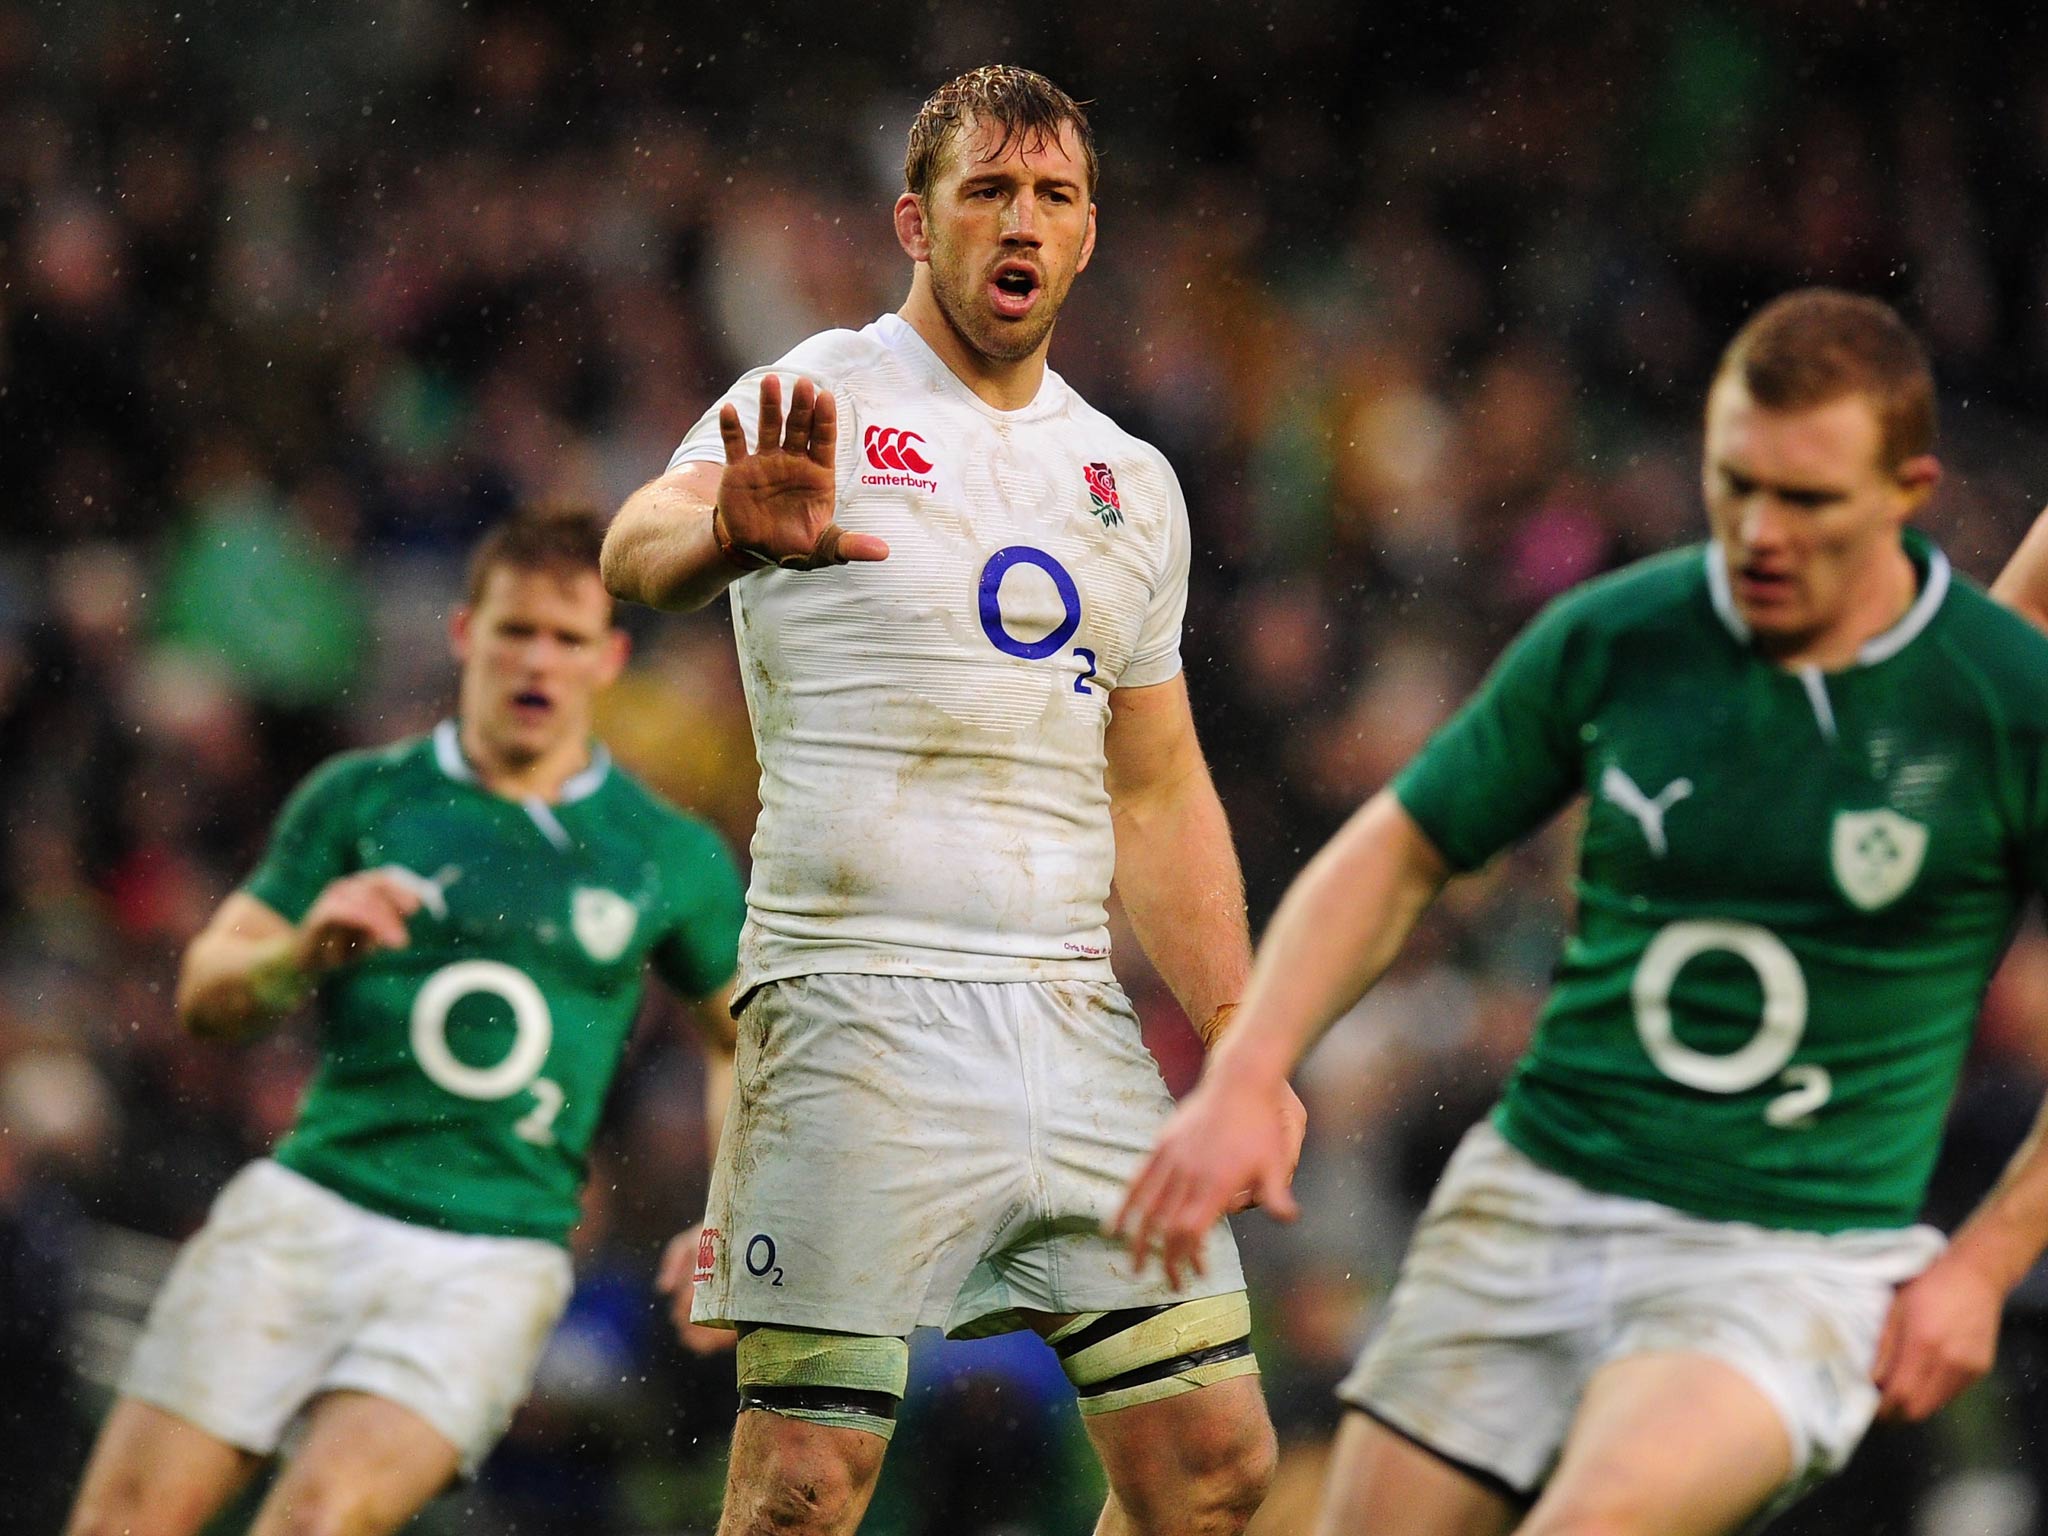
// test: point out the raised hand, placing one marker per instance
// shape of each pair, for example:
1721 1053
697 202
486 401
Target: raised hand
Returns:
775 504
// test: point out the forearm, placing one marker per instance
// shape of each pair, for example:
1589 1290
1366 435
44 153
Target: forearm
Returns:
2009 1229
1177 872
234 985
1340 926
660 550
2023 584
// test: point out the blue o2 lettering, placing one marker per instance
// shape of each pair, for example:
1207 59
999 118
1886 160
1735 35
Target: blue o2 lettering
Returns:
991 606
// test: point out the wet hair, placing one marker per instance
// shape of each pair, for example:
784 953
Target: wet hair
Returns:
1812 346
1025 105
562 540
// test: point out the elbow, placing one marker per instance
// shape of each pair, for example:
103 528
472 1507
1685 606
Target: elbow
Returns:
614 566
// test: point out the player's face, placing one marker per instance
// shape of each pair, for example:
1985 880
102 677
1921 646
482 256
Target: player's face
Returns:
1805 511
535 651
1005 229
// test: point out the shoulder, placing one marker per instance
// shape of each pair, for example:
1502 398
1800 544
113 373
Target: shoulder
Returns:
632 805
1661 591
2003 652
834 357
368 771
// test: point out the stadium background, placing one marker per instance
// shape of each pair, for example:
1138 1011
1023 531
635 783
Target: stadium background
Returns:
297 298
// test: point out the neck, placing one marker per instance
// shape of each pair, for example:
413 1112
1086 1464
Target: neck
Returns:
1008 386
539 778
1883 594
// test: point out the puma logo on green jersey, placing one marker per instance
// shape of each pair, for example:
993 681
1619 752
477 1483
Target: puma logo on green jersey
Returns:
1618 788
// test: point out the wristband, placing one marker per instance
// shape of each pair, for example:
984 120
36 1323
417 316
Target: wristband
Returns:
279 985
738 556
1219 1021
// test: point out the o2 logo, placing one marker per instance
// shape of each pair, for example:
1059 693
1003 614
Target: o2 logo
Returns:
761 1259
989 603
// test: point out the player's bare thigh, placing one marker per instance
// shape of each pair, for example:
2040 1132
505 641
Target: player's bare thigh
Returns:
792 1477
1665 1445
1381 1482
1198 1463
364 1468
154 1474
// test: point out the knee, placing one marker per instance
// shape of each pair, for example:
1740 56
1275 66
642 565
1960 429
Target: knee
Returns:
806 1485
128 1512
1581 1520
1213 1483
316 1508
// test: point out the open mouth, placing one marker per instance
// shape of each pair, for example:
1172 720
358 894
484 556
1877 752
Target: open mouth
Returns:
1014 290
532 705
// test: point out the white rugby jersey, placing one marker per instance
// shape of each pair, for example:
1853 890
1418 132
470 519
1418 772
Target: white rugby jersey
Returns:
930 726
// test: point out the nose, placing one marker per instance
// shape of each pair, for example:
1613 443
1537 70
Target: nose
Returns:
1762 522
1020 219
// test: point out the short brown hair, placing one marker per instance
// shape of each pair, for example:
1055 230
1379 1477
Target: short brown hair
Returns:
1022 102
1815 345
564 540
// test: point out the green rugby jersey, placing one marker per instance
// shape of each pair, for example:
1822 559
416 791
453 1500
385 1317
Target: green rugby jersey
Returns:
461 1077
1793 886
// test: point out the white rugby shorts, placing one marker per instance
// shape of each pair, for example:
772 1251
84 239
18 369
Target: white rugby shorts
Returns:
289 1291
1521 1283
904 1151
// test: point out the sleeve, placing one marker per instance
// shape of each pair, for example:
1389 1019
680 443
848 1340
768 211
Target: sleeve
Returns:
312 842
1510 759
1156 657
700 951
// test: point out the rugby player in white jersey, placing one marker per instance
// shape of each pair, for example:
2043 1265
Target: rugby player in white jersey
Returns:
957 593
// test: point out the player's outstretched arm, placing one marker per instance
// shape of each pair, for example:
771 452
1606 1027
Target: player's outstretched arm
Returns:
250 965
1340 926
2023 584
678 541
1942 1334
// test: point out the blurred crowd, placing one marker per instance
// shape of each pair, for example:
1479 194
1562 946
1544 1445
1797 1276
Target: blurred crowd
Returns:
294 301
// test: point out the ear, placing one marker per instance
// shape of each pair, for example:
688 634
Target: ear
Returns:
1087 241
459 633
1917 478
910 228
618 645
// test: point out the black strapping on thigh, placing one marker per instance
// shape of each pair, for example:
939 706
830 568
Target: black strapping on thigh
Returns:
1492 1482
1108 1326
780 1399
1144 1375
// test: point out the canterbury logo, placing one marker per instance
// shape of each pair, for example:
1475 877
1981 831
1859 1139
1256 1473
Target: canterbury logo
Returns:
893 448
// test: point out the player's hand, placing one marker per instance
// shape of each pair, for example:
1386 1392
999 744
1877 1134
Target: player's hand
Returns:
1294 1120
677 1280
775 504
1940 1337
353 917
1230 1144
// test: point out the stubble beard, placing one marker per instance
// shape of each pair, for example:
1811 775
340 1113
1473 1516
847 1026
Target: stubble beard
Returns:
997 340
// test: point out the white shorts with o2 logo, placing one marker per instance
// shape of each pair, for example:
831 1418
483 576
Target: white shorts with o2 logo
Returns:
1521 1283
289 1291
904 1151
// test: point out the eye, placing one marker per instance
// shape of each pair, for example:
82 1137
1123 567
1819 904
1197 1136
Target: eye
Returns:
1738 485
1808 500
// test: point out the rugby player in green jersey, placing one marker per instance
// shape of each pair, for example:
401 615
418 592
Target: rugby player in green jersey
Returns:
474 912
1671 1279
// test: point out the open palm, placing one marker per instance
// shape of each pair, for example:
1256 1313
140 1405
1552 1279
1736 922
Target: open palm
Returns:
775 504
